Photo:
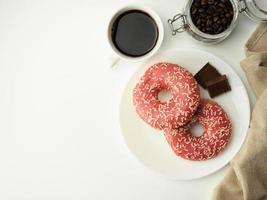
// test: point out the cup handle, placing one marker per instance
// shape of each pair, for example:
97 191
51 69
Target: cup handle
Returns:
113 60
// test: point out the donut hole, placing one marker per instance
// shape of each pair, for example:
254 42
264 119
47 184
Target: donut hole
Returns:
197 130
164 96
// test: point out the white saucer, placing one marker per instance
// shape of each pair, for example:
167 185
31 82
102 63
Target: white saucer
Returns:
149 145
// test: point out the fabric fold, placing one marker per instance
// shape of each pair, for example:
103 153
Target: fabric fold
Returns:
247 176
255 67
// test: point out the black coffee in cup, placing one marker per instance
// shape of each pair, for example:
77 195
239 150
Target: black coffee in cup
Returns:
134 33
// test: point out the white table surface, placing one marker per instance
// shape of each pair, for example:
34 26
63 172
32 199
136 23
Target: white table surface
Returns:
60 137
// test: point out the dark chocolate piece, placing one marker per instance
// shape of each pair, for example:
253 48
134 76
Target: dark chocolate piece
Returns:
206 74
218 86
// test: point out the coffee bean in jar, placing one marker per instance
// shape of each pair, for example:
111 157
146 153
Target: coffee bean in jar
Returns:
212 16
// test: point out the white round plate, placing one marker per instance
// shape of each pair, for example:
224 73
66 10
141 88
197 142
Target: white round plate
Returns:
149 145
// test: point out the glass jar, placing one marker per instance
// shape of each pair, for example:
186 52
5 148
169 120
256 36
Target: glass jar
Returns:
254 9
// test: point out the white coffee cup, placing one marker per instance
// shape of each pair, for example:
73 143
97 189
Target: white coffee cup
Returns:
119 55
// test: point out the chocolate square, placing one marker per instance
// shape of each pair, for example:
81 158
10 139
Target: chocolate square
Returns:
206 74
218 86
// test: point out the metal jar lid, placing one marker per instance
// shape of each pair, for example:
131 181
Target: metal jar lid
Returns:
255 9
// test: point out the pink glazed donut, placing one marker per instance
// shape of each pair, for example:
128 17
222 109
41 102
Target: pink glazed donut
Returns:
175 112
217 133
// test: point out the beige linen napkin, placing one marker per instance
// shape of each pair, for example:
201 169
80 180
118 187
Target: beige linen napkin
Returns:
247 176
